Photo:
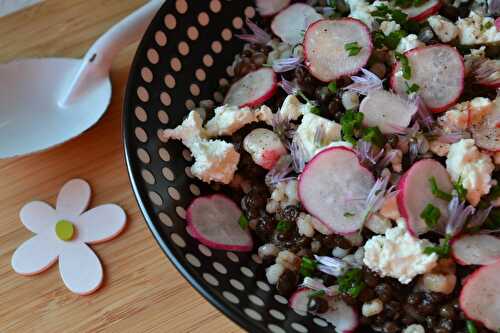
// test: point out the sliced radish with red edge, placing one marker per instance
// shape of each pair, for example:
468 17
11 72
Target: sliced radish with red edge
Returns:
415 193
333 188
439 72
479 249
487 134
271 7
340 315
214 221
422 12
325 48
253 89
487 73
387 111
291 24
480 296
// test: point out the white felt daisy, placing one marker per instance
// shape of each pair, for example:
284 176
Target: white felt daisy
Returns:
63 234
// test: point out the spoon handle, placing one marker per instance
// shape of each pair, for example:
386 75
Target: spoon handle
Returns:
99 57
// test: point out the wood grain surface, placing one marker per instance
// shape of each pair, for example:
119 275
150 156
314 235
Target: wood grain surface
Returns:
142 291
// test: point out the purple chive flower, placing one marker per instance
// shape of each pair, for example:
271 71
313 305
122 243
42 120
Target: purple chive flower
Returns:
283 127
377 195
286 64
280 171
457 216
449 137
331 265
424 116
366 153
478 219
366 83
391 155
258 35
298 152
291 88
317 284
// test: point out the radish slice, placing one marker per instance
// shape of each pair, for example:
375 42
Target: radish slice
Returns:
439 72
340 315
480 296
253 89
333 188
213 220
387 111
415 193
271 7
477 249
298 301
324 48
487 73
487 134
291 23
422 12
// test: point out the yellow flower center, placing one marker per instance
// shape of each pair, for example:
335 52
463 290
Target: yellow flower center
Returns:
65 230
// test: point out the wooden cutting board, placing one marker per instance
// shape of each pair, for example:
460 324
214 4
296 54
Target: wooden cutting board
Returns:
142 291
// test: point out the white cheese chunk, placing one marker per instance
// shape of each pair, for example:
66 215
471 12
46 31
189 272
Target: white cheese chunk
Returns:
264 146
472 167
389 26
398 254
228 119
409 43
414 328
314 127
444 29
464 115
476 29
292 108
215 160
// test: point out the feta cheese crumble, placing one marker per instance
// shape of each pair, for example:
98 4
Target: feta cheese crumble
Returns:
215 160
477 29
292 108
444 29
264 146
398 254
409 43
472 167
389 26
285 194
466 114
228 119
308 129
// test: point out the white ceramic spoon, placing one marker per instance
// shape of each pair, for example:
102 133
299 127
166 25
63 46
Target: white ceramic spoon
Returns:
45 102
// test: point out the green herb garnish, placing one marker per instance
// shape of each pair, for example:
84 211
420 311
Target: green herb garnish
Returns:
307 266
315 110
350 122
283 226
317 293
471 327
405 65
461 191
349 214
352 48
243 222
486 26
331 3
411 89
351 282
437 192
443 250
431 215
392 41
374 135
332 86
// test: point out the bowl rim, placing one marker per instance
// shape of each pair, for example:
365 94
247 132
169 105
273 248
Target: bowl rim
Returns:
134 174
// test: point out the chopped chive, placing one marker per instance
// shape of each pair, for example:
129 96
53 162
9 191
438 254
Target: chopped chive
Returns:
332 86
443 250
350 122
411 89
351 282
307 266
283 226
438 193
243 222
405 65
431 215
348 214
317 293
374 136
461 190
471 327
352 48
315 110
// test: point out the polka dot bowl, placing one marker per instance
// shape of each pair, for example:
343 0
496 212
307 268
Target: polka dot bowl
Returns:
185 54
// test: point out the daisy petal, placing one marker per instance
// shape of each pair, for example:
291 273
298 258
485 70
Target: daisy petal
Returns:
100 223
81 270
36 254
73 198
37 216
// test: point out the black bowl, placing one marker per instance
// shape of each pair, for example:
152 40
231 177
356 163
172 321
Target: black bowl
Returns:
185 54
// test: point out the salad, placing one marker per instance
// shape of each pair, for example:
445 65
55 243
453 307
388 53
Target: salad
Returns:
357 152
